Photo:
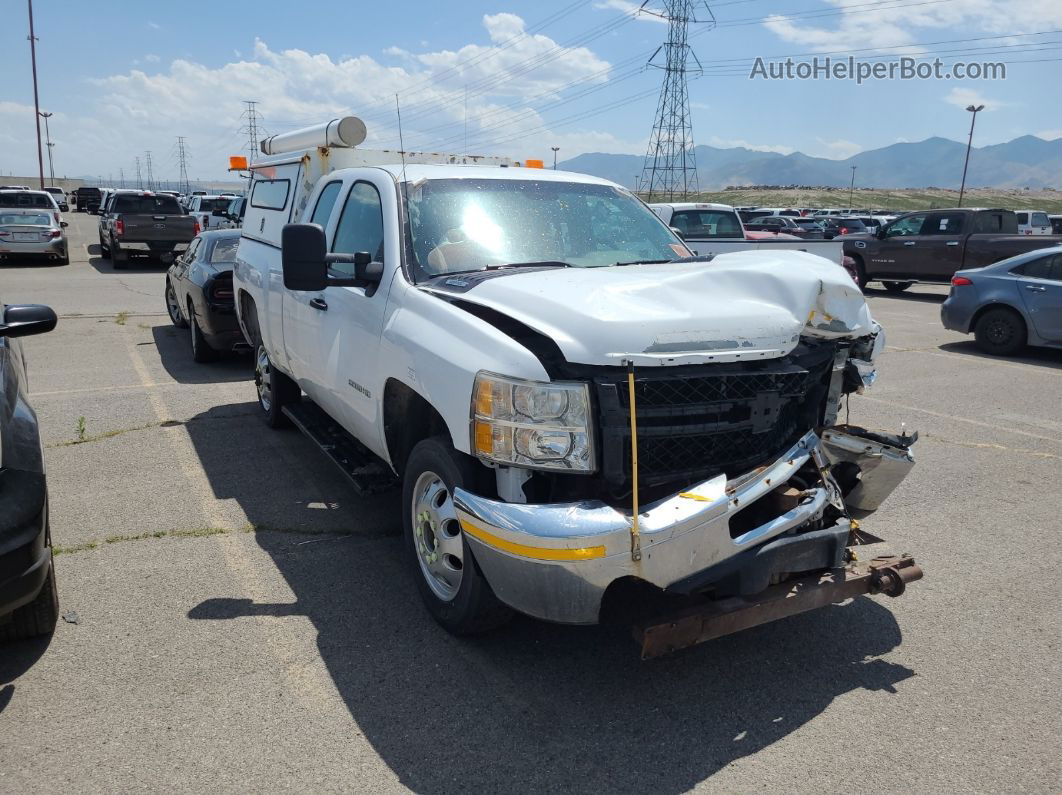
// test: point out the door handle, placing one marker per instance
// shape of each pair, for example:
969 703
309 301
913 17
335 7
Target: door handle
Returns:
1035 288
319 303
953 242
909 243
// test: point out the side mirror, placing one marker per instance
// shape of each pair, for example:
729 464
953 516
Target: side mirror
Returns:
881 233
303 254
678 232
64 224
22 320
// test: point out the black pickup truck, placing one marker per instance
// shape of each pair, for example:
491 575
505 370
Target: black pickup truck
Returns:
930 245
142 222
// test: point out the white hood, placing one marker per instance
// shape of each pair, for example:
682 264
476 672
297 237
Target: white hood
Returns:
740 306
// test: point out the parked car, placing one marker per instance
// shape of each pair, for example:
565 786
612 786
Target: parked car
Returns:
1009 304
203 207
29 200
931 245
701 220
807 230
232 215
143 223
1056 224
1033 222
836 225
494 354
27 234
60 198
87 199
29 603
873 223
199 294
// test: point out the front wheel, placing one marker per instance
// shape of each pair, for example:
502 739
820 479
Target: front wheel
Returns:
36 618
1000 332
453 588
275 390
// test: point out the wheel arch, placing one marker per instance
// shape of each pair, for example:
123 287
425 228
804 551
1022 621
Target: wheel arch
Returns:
408 418
981 311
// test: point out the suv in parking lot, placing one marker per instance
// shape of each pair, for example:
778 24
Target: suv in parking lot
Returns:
29 605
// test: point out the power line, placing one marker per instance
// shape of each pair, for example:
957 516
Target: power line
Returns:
250 127
139 179
147 168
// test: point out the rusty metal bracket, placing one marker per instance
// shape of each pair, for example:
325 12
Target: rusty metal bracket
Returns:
716 618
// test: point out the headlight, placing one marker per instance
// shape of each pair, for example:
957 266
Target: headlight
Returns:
532 424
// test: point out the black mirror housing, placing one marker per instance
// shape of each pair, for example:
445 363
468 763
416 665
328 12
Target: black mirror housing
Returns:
304 255
23 320
677 232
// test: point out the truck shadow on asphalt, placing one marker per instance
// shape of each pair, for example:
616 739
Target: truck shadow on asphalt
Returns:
1039 357
15 659
533 706
133 265
175 351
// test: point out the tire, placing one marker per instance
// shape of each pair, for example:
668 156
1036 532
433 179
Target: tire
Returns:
201 350
275 390
897 287
173 307
105 251
450 582
1000 332
861 273
36 618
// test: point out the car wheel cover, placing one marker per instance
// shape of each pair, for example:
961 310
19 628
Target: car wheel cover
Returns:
1000 331
437 541
263 379
171 304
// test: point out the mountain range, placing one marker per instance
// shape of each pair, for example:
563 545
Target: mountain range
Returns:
1025 162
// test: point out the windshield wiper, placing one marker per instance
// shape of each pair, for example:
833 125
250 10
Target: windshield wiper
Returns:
546 263
645 262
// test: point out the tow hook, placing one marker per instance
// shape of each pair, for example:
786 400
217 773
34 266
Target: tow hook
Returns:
890 575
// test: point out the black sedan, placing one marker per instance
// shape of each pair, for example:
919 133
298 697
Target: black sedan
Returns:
199 294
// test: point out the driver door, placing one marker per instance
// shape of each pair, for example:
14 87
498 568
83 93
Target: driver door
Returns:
895 253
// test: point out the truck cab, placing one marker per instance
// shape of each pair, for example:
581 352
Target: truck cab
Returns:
493 337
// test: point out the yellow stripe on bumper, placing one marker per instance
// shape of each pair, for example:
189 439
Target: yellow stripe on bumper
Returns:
478 531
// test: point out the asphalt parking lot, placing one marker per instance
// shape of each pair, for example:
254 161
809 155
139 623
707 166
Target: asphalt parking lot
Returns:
244 622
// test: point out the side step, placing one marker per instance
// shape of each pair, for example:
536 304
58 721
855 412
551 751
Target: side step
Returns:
367 473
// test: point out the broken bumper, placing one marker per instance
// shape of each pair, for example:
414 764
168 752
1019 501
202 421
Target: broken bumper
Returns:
555 561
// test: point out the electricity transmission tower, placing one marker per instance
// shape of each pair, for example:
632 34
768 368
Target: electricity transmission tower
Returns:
147 168
139 179
250 127
182 165
670 167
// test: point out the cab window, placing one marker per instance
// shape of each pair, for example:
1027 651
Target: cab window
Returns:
908 225
325 202
943 224
360 227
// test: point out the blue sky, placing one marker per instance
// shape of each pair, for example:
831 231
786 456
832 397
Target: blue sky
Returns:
506 77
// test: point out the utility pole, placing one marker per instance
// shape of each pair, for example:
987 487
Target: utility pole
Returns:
121 177
670 163
851 188
555 148
139 180
36 102
48 138
969 143
147 168
182 163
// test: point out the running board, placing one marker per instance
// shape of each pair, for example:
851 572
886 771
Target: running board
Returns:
367 473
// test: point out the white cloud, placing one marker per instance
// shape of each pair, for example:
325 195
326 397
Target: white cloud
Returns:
837 150
1049 135
151 58
295 88
154 25
634 9
860 27
726 143
962 97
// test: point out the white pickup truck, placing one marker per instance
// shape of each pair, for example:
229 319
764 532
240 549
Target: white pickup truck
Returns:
573 405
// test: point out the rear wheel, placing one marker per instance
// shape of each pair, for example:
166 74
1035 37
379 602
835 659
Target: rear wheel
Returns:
201 350
1000 332
173 307
275 390
453 588
105 251
897 287
36 618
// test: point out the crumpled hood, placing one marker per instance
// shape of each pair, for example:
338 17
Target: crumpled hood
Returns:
740 306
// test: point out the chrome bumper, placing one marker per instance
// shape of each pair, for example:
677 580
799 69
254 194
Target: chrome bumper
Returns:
555 561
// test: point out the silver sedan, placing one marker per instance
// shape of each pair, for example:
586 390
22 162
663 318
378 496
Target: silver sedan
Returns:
32 233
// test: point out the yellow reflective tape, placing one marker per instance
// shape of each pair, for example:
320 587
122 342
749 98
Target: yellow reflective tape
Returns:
523 550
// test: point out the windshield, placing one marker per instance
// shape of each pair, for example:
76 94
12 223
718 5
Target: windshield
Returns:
471 224
1039 219
852 224
20 219
26 200
807 223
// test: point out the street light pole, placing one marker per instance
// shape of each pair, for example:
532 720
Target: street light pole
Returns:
554 148
36 103
48 142
969 143
851 188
